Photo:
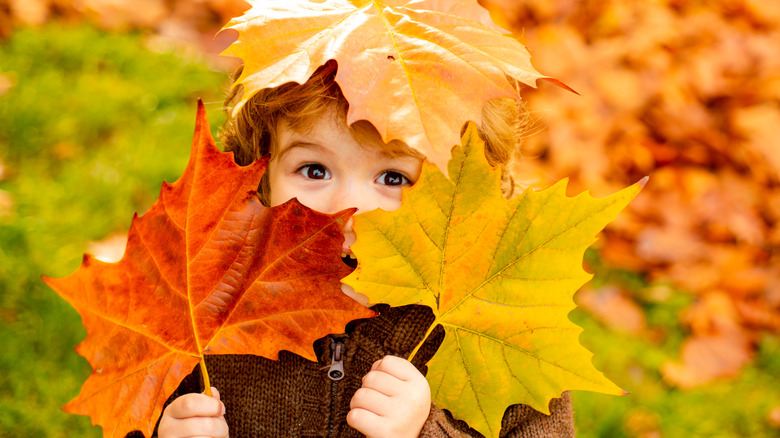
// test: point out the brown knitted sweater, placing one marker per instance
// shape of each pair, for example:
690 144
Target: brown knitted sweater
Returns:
294 397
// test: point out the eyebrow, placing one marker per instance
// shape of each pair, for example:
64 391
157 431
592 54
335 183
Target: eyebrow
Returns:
302 144
389 154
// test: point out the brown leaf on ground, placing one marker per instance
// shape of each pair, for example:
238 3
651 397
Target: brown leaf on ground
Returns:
614 308
29 12
641 422
6 203
123 15
773 416
5 84
706 358
718 348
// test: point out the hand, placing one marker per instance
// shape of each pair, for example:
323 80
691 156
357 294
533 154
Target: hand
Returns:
394 401
194 415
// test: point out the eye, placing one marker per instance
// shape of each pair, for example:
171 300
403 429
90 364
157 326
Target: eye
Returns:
393 178
314 171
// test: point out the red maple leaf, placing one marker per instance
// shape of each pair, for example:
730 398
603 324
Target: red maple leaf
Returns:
207 270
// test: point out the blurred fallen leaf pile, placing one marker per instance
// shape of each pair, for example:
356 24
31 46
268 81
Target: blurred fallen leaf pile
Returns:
185 22
686 91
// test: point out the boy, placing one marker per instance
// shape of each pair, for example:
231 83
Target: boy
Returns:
361 384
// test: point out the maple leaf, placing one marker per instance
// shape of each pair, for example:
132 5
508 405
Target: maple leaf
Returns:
499 275
207 270
416 69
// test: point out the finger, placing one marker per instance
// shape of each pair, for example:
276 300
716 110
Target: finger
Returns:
202 426
364 421
215 394
370 400
383 382
195 405
397 367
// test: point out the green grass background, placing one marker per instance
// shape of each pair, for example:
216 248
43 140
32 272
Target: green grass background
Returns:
95 122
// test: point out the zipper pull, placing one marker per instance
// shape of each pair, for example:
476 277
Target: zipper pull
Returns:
336 368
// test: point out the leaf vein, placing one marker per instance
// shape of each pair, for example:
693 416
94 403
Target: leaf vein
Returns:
128 375
402 60
408 261
522 350
146 335
158 266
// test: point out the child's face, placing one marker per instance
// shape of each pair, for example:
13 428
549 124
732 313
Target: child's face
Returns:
329 170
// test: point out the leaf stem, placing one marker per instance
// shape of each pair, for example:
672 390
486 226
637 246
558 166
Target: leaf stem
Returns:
425 338
205 374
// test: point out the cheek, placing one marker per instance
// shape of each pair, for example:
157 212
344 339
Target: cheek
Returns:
280 188
276 198
286 190
388 199
285 187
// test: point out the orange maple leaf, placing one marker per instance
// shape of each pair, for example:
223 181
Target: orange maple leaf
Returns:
208 270
417 70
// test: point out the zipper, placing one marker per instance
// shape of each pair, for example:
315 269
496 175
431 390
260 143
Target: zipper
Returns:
336 368
335 373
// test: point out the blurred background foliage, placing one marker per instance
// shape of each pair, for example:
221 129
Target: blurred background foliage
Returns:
97 105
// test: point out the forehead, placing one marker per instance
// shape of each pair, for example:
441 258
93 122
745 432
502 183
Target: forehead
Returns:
331 123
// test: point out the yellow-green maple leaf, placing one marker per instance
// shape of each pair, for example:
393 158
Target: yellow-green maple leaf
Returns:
499 275
416 69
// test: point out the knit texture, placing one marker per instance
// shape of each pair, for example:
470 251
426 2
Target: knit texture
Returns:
293 397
